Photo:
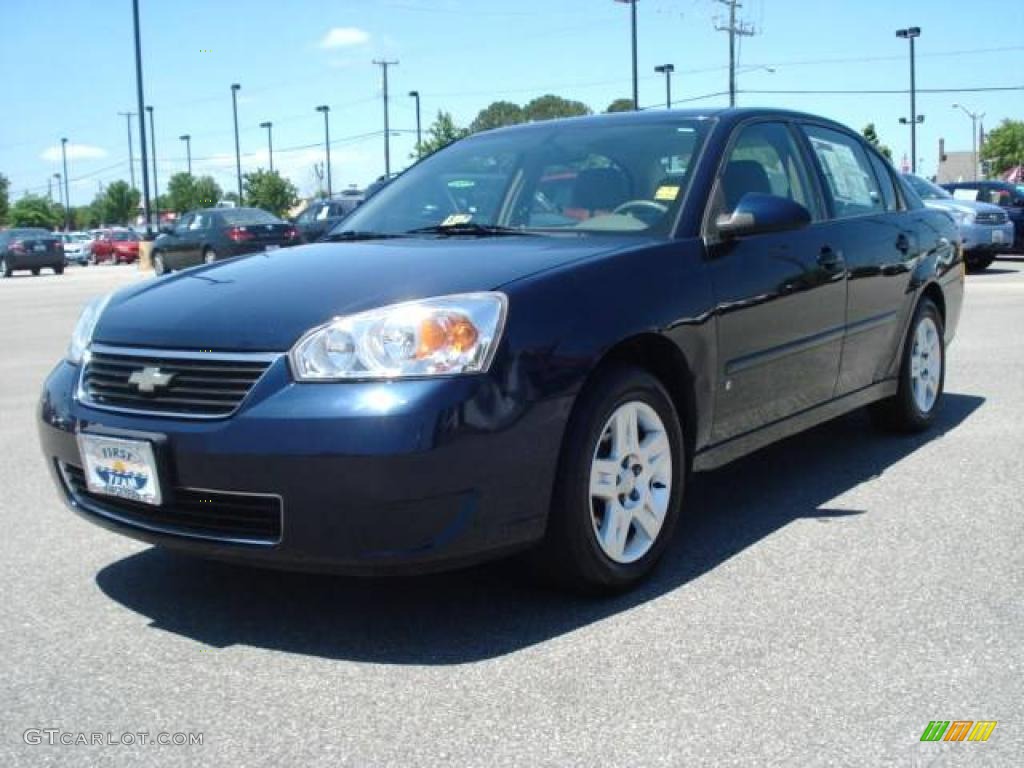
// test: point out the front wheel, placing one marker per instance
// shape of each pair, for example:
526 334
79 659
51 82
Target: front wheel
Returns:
159 265
35 271
58 270
979 262
209 256
922 375
620 484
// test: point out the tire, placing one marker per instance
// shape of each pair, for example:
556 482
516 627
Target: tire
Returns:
5 267
35 271
609 540
209 256
978 262
159 265
919 397
59 270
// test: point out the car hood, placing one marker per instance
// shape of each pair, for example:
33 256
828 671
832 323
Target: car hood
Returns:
966 206
266 301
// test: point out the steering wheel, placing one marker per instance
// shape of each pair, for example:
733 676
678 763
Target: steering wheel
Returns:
638 208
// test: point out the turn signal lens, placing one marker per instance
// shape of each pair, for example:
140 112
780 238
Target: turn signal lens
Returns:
442 336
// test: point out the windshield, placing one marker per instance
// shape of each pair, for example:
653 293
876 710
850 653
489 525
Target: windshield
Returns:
570 176
926 190
239 217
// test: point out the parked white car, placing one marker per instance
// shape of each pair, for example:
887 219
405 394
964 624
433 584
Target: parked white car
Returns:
77 246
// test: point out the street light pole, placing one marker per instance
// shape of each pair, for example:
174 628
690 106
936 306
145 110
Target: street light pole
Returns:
188 151
667 70
911 34
235 88
636 79
975 117
156 184
419 129
387 128
270 142
131 155
327 144
67 197
60 187
142 122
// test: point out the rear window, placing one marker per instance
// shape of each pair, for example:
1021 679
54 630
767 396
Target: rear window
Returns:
241 217
31 232
123 236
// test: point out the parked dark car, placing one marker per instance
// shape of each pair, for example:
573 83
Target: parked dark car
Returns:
321 216
30 249
1008 196
210 234
440 384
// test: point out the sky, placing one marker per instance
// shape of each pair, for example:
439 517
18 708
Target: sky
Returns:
68 70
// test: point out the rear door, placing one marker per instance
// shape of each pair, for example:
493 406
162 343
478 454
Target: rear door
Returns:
175 246
781 296
880 245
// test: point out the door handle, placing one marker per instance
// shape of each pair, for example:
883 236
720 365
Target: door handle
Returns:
830 258
903 244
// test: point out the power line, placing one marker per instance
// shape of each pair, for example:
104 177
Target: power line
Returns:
735 29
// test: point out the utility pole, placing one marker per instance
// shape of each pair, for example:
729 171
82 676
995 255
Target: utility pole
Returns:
327 144
235 88
636 79
188 151
156 184
419 128
911 34
131 155
67 196
387 128
142 122
975 117
270 142
735 29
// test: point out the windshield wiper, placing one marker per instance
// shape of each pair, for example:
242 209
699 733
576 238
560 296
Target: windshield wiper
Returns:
350 235
469 228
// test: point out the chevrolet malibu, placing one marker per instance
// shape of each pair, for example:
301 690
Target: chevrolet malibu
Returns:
529 340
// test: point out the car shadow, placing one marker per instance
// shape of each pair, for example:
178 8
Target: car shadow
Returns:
492 610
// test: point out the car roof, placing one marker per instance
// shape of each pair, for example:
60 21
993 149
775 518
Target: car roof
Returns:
728 116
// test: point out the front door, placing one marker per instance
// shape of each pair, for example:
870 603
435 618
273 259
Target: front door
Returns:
781 297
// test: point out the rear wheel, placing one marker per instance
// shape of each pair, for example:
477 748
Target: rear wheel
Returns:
922 374
159 265
58 270
209 256
5 267
620 484
35 271
979 262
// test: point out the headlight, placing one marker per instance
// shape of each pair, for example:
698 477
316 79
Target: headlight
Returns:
963 218
82 335
432 337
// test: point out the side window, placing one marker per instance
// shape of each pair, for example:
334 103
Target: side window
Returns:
198 222
885 179
184 223
847 171
764 160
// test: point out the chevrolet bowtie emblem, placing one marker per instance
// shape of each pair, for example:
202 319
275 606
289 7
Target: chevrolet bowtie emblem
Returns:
148 380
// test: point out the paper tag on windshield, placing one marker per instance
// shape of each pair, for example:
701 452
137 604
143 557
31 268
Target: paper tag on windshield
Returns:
667 192
457 218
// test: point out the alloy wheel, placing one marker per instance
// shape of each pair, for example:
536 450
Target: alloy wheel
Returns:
630 482
926 365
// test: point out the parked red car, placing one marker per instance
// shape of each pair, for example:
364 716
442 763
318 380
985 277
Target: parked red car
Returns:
120 246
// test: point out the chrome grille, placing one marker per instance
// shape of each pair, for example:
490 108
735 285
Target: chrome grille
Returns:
991 217
191 384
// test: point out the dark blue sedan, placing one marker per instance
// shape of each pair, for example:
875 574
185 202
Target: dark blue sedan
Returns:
527 341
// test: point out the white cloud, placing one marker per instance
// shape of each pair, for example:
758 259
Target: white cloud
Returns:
75 152
345 37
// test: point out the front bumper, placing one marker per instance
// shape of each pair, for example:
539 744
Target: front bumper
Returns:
980 238
372 477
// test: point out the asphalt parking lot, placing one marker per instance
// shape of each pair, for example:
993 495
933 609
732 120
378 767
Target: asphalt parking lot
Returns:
829 597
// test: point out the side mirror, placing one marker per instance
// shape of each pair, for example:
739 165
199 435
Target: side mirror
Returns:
758 214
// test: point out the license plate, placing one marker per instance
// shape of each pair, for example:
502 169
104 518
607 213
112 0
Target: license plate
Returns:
999 236
272 247
115 466
39 248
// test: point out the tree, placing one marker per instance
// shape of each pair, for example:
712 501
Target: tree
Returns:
36 211
497 115
1004 147
871 135
270 191
5 199
620 105
207 192
549 107
118 204
231 197
441 133
186 192
84 217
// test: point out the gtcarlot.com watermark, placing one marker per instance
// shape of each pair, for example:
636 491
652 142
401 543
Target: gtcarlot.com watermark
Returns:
57 737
